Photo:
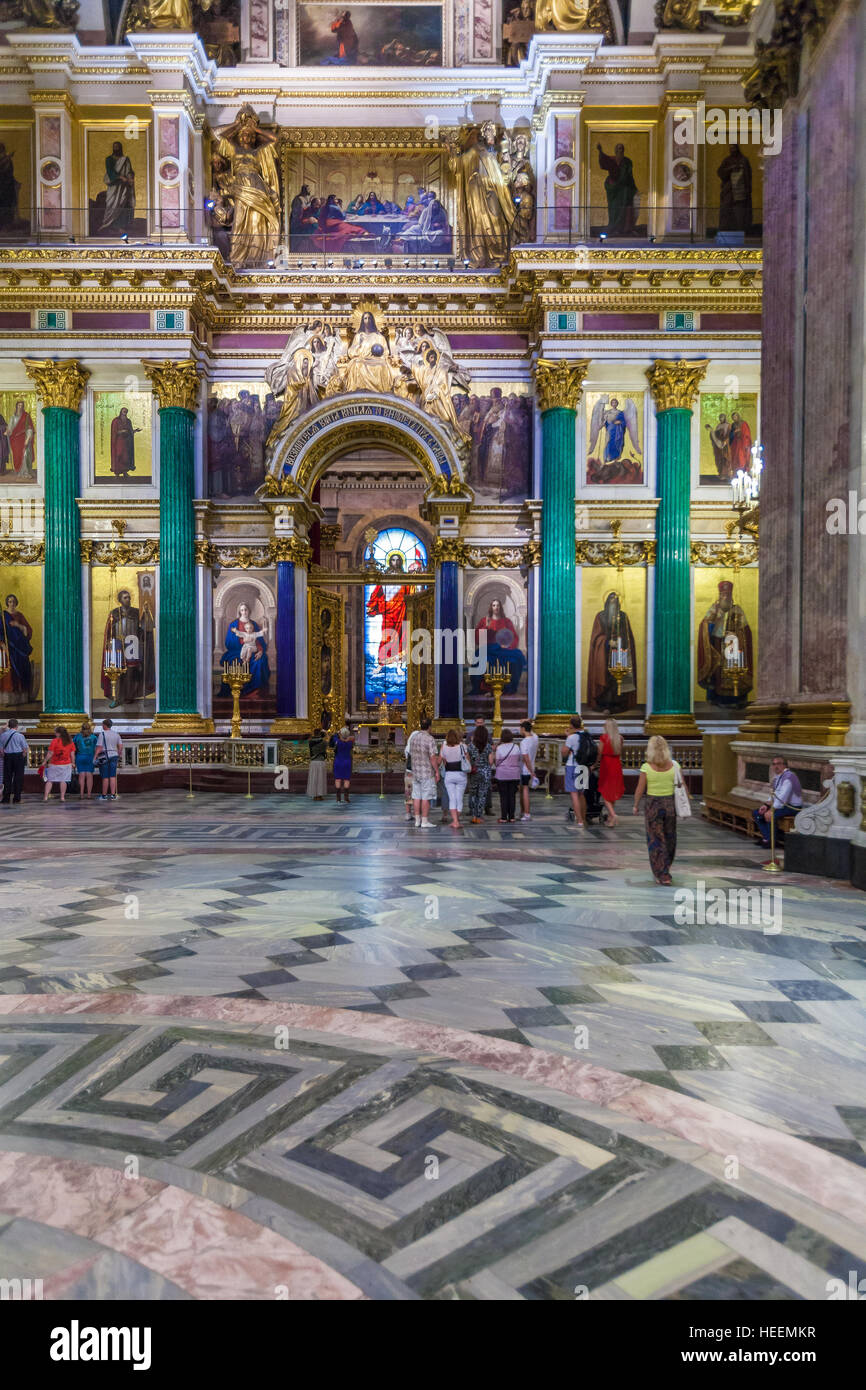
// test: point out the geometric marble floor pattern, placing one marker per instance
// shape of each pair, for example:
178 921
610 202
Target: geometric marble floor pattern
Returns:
509 1071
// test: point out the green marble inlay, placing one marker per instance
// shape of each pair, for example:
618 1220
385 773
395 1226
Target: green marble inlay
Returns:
557 691
63 624
672 684
177 596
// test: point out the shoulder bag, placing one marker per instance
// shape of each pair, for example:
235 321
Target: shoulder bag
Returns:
682 804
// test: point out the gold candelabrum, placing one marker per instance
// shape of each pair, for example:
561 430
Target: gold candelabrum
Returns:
497 677
114 665
736 668
618 663
236 676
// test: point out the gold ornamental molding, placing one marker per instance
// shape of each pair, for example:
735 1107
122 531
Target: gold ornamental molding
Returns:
559 384
284 486
242 557
448 550
503 557
729 554
59 384
205 553
293 548
175 384
674 385
120 552
22 552
370 139
615 553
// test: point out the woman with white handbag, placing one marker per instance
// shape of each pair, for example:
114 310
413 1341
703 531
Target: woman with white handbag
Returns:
661 783
454 758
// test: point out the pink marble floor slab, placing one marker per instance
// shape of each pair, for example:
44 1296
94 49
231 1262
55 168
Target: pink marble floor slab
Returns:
814 1173
203 1248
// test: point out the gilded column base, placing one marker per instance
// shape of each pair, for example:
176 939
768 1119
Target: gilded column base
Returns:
763 722
672 726
168 723
289 725
48 722
824 722
550 725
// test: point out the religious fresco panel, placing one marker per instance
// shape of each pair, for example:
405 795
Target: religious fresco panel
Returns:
122 443
123 617
613 637
498 419
16 178
117 179
614 437
240 416
495 605
19 437
369 36
726 640
244 627
729 428
733 184
619 179
20 638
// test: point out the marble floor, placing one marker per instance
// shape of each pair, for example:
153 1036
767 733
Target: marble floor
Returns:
270 1048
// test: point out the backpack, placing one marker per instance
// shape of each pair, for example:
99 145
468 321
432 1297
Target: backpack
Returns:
586 749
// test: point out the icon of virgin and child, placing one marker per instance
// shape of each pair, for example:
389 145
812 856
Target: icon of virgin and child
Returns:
246 642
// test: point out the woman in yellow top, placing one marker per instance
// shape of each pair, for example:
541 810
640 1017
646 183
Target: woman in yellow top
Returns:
656 782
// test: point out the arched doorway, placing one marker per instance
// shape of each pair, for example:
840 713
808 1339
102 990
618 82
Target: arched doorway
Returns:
367 474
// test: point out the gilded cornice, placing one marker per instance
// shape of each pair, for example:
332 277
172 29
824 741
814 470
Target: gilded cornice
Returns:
58 383
175 384
367 138
559 384
675 384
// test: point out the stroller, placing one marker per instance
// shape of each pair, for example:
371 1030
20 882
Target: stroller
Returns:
594 804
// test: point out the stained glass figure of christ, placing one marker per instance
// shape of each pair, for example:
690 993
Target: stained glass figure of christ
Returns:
397 552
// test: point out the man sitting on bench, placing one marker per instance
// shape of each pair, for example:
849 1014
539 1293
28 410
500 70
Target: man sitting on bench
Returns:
786 799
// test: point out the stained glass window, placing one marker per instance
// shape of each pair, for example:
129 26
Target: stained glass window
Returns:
398 552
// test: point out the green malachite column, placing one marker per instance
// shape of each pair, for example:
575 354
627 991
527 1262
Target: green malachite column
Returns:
674 386
558 386
176 386
60 386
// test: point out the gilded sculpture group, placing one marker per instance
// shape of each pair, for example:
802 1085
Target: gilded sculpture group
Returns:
414 362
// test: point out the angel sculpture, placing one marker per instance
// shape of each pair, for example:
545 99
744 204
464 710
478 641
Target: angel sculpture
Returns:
618 422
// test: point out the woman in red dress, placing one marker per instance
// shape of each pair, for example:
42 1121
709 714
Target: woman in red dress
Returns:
610 781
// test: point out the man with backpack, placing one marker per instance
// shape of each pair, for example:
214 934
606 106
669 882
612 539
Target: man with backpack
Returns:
580 753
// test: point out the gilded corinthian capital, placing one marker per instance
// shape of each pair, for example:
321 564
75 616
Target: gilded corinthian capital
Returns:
559 384
174 383
674 385
58 383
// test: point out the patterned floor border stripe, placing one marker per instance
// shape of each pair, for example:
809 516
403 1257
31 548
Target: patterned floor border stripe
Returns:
822 1177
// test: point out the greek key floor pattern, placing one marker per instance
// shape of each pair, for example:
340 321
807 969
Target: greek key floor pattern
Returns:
265 1048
